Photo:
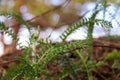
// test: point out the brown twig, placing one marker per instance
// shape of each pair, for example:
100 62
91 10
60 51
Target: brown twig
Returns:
6 62
108 46
46 12
99 43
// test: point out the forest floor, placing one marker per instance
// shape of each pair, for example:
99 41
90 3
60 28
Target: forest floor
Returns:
102 46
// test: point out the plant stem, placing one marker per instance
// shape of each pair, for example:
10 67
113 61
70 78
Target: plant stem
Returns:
85 64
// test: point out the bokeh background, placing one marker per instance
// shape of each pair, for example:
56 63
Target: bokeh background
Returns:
70 11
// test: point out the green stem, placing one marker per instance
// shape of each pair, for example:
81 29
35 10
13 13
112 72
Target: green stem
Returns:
85 64
90 38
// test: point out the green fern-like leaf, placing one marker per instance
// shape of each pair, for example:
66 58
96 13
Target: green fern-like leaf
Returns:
74 27
66 72
60 48
6 29
17 17
12 73
103 23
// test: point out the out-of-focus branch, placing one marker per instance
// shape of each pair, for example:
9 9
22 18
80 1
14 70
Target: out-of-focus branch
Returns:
43 14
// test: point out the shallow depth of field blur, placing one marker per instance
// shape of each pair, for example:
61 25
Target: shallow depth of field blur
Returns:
28 9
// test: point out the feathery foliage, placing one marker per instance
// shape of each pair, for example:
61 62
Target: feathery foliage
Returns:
33 64
15 16
8 31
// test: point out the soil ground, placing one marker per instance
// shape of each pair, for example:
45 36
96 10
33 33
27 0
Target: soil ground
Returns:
102 47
